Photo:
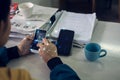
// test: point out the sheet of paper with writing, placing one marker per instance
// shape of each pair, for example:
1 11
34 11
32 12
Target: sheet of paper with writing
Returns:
82 24
40 16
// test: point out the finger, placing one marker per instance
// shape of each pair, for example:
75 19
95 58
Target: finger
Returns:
30 37
40 45
46 41
27 38
40 52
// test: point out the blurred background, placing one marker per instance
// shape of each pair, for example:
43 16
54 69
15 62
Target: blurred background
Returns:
106 10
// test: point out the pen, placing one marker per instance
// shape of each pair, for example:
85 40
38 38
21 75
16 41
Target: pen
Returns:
78 45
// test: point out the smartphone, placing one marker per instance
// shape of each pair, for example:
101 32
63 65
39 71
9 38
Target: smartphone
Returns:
64 42
39 35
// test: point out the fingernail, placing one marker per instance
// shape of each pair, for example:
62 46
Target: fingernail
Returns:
44 49
24 38
39 50
47 44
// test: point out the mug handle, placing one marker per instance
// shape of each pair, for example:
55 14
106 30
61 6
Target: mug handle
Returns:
105 52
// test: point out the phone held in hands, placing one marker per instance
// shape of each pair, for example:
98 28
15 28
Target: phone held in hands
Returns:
39 35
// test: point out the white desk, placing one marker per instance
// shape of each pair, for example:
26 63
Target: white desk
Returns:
107 68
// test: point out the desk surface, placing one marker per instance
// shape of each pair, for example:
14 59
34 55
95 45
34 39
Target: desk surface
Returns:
107 68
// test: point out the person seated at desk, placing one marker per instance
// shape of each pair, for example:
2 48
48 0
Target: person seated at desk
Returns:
48 51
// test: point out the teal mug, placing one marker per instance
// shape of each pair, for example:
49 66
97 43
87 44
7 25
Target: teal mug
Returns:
93 51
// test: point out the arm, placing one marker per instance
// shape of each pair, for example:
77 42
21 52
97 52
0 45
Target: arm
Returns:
7 54
60 71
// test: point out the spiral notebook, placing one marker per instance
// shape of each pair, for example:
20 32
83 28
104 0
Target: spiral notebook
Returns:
82 24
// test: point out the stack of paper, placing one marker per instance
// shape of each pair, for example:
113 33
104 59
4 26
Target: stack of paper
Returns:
81 24
40 16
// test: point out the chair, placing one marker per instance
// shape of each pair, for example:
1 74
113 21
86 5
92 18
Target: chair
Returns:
102 5
83 6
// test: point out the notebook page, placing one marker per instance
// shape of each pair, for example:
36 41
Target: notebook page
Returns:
82 24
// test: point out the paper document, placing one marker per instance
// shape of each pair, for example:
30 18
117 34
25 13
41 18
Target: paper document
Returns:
40 16
17 35
81 24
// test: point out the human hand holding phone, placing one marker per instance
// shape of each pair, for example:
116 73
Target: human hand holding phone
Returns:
47 50
24 45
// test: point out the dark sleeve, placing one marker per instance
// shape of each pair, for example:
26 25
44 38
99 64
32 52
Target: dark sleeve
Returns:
54 62
60 71
12 52
7 54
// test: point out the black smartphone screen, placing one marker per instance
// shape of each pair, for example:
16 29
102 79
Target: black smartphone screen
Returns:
64 42
39 35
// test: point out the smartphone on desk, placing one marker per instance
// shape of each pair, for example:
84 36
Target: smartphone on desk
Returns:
64 42
39 35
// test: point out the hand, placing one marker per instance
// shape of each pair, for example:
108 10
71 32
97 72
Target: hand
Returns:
24 45
47 50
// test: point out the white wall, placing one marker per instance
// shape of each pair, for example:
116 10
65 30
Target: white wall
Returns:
49 3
